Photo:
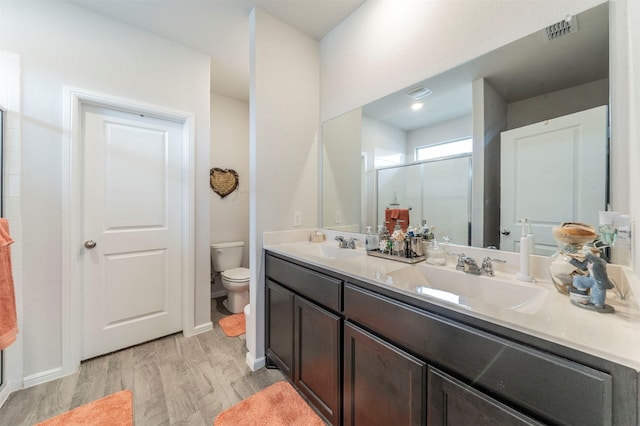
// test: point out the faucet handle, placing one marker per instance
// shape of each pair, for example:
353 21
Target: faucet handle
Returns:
487 266
351 243
461 260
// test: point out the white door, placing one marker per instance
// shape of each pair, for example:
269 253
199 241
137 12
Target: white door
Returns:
132 226
553 172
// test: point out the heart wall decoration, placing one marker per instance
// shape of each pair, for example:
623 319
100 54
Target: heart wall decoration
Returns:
223 181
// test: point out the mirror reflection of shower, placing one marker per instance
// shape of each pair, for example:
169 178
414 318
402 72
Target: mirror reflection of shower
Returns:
439 194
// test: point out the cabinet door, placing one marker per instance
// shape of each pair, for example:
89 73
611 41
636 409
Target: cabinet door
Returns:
451 402
317 357
382 384
279 329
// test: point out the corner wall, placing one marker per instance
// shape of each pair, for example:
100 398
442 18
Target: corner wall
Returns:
283 149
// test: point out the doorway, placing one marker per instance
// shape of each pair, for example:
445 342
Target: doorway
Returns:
128 230
552 172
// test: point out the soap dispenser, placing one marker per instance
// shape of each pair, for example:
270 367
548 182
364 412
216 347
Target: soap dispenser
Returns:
371 240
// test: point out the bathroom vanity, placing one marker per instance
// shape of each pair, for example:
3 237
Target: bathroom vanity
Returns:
372 341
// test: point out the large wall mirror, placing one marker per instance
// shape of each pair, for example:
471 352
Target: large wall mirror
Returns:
536 112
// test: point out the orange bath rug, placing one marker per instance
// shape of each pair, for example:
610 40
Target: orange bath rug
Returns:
112 410
233 325
277 405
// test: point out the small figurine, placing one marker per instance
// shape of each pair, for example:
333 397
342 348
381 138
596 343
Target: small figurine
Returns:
590 291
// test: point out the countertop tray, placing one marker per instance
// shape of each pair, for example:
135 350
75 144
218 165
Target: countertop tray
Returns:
378 253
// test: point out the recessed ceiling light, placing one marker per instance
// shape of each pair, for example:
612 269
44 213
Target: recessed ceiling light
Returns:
416 106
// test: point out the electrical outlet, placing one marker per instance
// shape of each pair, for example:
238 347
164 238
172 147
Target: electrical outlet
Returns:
337 216
297 218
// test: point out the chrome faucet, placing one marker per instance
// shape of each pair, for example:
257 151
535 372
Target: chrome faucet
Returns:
466 264
470 266
342 243
487 266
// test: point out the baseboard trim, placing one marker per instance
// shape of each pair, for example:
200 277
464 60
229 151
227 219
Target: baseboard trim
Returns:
43 377
5 390
255 364
203 328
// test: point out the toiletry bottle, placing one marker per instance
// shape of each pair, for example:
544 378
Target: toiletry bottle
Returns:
368 239
375 242
523 275
530 240
435 253
379 236
384 239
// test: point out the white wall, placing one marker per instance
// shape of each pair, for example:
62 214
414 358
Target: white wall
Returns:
449 130
342 138
10 101
386 35
633 53
230 150
283 149
557 104
379 140
62 44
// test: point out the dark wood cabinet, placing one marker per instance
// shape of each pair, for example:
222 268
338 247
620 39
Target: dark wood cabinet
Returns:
383 385
279 327
453 403
363 355
303 339
317 357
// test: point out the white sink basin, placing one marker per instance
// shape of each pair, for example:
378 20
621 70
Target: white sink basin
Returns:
325 251
467 289
332 252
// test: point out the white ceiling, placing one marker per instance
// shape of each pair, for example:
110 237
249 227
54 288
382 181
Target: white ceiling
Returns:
220 28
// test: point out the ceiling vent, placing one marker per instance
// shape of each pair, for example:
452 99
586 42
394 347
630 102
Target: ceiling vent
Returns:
418 92
565 27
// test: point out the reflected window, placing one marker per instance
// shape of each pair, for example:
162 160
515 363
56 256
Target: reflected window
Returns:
445 149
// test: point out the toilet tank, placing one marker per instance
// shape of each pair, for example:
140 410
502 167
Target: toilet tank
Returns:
226 256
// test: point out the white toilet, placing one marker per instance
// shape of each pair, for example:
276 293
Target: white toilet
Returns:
226 258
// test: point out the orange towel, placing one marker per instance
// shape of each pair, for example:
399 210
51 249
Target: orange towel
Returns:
392 215
8 319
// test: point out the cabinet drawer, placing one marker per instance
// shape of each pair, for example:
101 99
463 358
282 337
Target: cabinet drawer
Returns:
549 387
320 288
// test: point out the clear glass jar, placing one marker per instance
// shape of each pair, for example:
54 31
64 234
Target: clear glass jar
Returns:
436 254
561 270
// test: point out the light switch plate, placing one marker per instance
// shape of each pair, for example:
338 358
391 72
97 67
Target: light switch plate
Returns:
297 218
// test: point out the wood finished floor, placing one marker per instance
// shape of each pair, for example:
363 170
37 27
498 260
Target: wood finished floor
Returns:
175 380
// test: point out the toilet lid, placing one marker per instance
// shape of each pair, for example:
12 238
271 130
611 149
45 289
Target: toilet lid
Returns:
236 274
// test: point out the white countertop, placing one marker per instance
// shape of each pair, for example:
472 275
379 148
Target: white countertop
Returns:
537 309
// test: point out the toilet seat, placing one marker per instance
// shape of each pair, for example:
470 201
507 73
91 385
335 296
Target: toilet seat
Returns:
236 275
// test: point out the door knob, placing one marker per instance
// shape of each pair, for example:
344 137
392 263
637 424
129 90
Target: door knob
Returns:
505 232
89 244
